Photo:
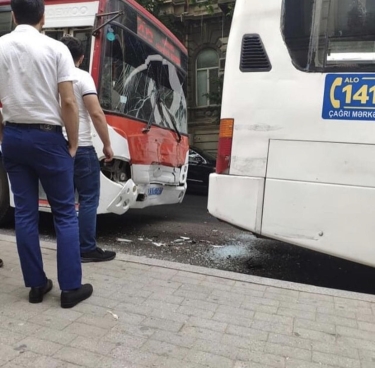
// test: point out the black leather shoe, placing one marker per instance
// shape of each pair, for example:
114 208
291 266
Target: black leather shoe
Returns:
37 293
70 298
1 263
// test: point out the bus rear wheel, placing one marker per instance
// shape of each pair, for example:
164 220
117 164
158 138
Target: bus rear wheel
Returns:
6 212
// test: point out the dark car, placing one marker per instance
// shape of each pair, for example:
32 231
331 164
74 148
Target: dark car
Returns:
201 165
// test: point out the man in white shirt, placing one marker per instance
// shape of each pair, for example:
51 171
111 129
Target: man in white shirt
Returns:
86 163
36 73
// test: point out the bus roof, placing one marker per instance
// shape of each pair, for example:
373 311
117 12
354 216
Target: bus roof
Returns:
135 5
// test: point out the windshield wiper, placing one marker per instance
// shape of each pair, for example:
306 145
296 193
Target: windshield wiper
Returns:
149 123
173 120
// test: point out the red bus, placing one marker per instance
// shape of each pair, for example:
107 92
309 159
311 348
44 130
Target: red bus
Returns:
139 68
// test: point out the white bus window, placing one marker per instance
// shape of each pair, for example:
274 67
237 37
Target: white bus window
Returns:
207 79
85 37
328 35
56 34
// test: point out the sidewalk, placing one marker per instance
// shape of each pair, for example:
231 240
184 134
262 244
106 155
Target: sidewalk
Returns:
151 313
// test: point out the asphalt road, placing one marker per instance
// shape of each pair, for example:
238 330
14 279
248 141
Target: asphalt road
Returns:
186 233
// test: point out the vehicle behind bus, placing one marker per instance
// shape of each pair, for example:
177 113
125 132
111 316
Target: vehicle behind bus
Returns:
296 154
139 68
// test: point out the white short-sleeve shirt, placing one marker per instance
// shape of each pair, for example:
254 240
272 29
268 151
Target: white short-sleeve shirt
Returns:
31 67
83 86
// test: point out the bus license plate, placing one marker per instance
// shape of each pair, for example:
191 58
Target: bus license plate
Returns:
155 191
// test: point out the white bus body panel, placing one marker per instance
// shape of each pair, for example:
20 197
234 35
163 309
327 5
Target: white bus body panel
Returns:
333 219
244 210
319 175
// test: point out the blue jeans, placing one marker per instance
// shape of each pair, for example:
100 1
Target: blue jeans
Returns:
30 155
87 183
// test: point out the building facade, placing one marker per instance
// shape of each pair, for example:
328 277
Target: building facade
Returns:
203 26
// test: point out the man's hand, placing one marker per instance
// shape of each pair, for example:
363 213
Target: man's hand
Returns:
72 151
108 153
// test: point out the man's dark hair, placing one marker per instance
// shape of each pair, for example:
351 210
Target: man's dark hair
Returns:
74 45
27 11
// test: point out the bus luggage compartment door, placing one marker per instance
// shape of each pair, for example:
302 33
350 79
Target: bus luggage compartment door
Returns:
321 195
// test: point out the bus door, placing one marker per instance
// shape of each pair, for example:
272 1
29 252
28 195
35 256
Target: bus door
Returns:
84 34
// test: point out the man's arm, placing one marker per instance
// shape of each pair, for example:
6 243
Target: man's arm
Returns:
98 118
69 113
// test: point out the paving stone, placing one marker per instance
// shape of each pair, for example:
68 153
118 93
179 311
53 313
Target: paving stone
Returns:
263 358
95 346
261 308
247 332
228 351
161 305
335 360
298 313
8 353
208 359
329 328
60 337
335 349
356 333
197 312
272 327
165 349
78 356
170 362
337 320
216 286
366 326
166 297
293 363
206 323
162 324
108 362
314 335
37 345
234 319
249 365
201 333
253 344
288 351
290 341
134 356
298 306
200 304
184 340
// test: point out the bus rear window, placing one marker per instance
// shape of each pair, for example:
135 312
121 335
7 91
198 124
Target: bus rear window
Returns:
330 35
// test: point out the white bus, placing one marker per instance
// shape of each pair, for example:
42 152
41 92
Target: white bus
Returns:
296 155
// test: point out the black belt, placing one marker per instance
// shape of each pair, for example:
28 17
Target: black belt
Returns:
44 127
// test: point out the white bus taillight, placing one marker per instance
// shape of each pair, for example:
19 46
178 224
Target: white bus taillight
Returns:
225 146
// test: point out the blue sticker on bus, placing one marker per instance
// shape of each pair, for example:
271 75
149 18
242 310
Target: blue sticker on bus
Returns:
349 97
155 191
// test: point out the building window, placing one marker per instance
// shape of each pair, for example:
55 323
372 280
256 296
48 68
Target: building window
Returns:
207 79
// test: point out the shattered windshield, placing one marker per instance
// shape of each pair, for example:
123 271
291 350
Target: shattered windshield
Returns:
138 81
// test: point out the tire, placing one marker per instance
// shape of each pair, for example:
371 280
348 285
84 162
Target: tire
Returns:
6 212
